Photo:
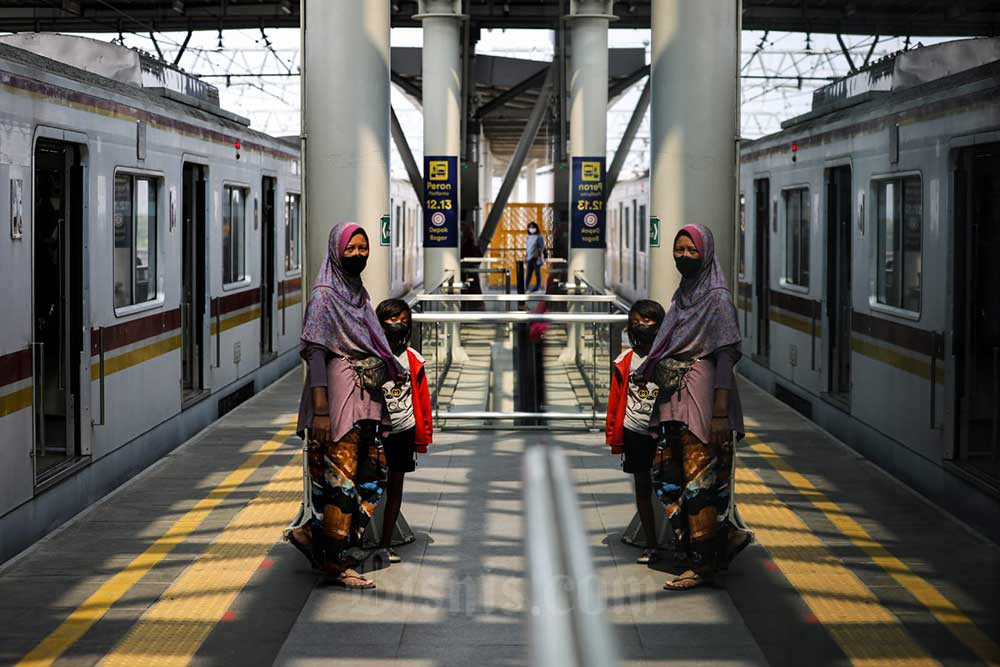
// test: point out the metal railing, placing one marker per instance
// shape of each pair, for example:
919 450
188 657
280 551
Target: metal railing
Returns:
568 625
591 356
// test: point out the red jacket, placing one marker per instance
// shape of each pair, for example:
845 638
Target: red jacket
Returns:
614 425
421 400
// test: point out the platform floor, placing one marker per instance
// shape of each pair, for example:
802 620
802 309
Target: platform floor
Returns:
184 565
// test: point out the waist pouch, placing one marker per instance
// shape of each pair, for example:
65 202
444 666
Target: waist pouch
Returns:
670 374
369 374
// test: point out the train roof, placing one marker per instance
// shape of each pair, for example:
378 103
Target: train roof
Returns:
895 77
122 71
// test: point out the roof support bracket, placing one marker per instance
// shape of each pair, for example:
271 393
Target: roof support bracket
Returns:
625 145
407 155
517 160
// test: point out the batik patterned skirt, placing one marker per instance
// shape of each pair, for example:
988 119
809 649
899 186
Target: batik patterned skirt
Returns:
692 481
348 480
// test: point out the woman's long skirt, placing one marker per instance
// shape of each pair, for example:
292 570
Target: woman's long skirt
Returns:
348 481
691 479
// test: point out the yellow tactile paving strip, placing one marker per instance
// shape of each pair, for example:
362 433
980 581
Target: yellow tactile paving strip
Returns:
97 605
171 631
926 593
868 633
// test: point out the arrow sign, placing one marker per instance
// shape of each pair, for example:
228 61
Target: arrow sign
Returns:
654 232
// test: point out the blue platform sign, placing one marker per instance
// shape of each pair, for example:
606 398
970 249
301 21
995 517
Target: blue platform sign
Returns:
440 201
587 203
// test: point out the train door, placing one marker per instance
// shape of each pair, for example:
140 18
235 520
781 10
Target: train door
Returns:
58 304
977 309
643 241
762 264
267 287
838 279
193 241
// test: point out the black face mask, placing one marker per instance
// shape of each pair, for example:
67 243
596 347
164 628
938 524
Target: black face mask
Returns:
688 266
354 264
398 335
641 336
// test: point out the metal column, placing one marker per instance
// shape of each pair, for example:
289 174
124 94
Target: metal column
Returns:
588 107
345 127
694 127
442 105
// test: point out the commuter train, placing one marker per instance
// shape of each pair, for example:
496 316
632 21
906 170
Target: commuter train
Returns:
152 271
866 265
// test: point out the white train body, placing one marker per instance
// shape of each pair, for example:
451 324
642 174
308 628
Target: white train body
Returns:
131 318
876 313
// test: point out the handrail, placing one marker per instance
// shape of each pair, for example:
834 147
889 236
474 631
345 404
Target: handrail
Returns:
521 318
572 298
448 278
568 626
586 283
495 416
481 260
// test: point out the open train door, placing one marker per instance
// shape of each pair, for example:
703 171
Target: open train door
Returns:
193 244
267 269
61 345
762 265
977 310
838 281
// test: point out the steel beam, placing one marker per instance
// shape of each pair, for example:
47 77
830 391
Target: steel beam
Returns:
410 88
533 81
619 86
412 170
626 143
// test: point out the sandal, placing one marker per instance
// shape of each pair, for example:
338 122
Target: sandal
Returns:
393 556
344 578
647 556
304 549
686 581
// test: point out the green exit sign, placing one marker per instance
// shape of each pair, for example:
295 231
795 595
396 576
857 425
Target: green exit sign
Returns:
654 232
385 235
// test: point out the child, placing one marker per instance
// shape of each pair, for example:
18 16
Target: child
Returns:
409 404
630 408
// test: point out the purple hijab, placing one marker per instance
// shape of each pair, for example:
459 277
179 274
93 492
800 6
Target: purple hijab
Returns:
702 317
340 316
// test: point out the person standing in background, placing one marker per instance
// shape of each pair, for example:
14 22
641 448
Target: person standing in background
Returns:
535 255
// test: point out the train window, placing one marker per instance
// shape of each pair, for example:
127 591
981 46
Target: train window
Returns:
797 236
234 234
135 237
293 233
899 221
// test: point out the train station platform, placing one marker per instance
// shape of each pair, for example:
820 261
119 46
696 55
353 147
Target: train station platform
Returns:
184 565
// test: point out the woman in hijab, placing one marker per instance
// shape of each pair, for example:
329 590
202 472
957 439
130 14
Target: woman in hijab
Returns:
692 359
342 410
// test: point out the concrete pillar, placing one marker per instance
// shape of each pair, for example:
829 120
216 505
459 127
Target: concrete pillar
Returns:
530 178
485 180
694 129
588 109
345 128
442 105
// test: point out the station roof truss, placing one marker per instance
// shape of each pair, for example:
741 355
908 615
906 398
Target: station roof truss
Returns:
886 17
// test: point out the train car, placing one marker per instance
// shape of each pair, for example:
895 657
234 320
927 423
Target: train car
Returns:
407 238
866 258
151 272
627 266
869 284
